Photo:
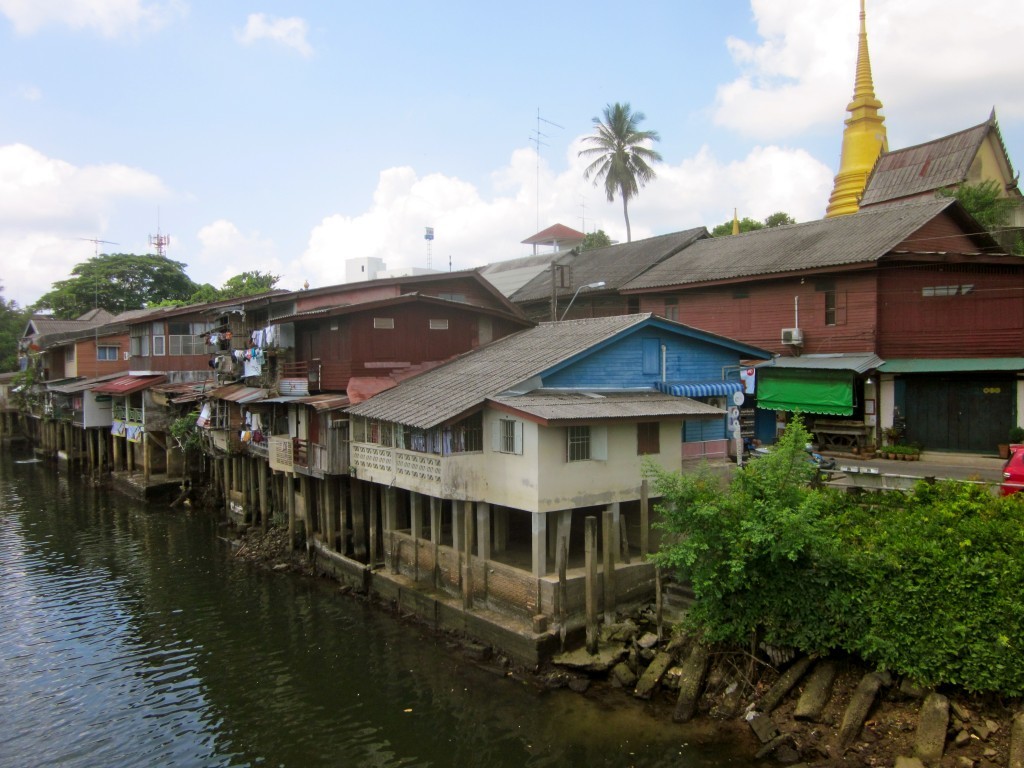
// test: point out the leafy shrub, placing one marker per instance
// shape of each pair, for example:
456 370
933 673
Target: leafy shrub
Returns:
927 584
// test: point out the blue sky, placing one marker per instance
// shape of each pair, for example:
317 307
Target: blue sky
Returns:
291 136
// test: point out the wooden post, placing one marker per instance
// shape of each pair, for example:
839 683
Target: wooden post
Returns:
146 468
344 515
608 550
308 509
590 550
374 524
117 454
416 523
264 504
289 499
645 521
226 472
563 591
624 539
658 608
329 504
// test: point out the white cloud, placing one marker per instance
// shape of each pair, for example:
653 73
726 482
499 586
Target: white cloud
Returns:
30 93
925 64
225 252
47 205
290 32
110 18
477 229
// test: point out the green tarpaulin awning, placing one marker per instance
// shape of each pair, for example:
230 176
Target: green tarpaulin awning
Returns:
807 391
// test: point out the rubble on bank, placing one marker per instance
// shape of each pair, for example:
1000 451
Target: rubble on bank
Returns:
796 710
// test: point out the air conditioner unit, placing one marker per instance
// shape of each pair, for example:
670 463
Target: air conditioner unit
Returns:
794 336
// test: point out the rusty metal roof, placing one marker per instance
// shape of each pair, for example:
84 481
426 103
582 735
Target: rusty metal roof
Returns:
237 393
127 385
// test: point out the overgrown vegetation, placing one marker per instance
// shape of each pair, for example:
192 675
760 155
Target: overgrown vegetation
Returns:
927 584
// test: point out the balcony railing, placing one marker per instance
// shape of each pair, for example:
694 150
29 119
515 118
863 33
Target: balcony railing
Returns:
134 415
411 464
119 413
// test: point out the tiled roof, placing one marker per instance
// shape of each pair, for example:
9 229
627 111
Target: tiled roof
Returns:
555 233
855 239
616 265
924 168
590 406
446 392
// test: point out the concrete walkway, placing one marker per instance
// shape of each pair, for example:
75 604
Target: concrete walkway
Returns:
941 466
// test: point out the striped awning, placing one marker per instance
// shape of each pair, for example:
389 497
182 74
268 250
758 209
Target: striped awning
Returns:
700 388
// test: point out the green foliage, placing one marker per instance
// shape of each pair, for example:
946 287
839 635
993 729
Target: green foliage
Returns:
749 225
926 584
595 240
619 155
118 282
1016 434
247 283
186 432
12 324
984 202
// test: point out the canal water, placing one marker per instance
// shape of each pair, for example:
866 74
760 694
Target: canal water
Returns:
129 636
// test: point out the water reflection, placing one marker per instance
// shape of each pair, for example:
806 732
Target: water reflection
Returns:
130 636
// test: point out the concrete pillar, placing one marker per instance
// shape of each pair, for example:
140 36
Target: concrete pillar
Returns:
616 509
374 521
146 466
483 530
390 508
117 454
539 544
129 449
563 519
458 525
609 535
467 575
308 507
416 514
645 520
500 522
590 553
435 533
359 548
344 515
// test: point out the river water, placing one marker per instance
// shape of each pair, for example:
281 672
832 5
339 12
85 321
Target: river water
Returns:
130 637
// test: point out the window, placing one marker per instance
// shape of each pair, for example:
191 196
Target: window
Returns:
384 323
138 344
830 307
947 290
69 354
185 338
648 438
439 325
578 446
159 344
466 436
106 353
509 436
672 309
459 297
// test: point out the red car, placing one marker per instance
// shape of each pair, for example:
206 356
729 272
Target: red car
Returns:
1013 472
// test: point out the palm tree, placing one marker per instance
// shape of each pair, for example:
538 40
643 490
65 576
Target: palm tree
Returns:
620 156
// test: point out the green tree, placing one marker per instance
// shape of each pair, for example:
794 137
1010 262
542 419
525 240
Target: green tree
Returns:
619 155
984 202
595 240
12 324
777 219
248 283
117 282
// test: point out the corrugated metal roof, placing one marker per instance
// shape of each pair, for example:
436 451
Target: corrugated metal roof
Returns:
126 385
325 402
591 406
862 237
924 168
237 393
953 365
859 363
616 265
81 385
449 390
699 388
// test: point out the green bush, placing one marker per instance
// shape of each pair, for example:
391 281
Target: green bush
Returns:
927 584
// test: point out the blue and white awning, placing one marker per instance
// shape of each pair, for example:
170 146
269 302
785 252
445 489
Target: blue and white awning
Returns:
700 389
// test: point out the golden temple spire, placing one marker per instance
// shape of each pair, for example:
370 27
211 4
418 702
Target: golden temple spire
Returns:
864 137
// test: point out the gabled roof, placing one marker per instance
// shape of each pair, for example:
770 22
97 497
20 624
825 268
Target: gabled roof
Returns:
859 238
934 165
447 392
616 264
409 298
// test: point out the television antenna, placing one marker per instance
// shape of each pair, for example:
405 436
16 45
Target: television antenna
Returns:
96 243
538 141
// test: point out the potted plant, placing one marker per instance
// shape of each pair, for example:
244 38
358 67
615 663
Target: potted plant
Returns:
1016 436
